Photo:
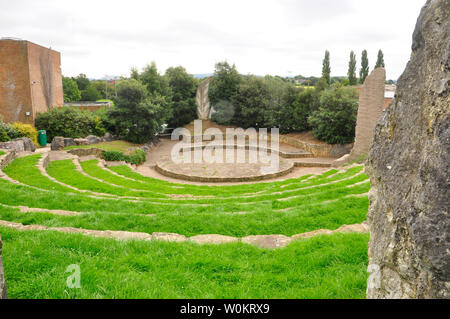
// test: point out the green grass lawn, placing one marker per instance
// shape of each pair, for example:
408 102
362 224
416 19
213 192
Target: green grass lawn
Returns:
118 145
2 153
120 199
322 267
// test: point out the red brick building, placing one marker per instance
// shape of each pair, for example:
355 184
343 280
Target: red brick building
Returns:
30 80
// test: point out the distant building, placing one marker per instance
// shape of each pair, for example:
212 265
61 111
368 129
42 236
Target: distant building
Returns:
30 80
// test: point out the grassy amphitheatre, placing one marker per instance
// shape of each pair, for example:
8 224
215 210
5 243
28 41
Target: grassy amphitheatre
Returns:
74 212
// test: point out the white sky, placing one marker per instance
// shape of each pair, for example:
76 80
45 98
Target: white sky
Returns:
283 37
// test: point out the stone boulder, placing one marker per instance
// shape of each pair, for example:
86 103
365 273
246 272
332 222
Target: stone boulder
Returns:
81 141
23 144
108 137
57 143
408 166
3 293
92 139
69 142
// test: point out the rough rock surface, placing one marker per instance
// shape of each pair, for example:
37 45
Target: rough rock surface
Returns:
267 241
57 143
409 170
81 141
213 239
3 294
69 142
202 100
23 144
108 137
92 139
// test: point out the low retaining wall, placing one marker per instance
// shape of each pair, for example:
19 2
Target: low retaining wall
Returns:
7 158
86 152
194 178
300 154
318 150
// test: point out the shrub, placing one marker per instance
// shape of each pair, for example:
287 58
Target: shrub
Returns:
335 120
136 157
70 122
7 132
113 156
26 130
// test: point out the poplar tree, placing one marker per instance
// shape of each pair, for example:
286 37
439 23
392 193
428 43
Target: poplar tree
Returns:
326 70
380 60
364 72
352 69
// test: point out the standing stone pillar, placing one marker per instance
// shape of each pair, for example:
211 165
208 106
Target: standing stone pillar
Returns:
408 165
370 109
3 294
202 100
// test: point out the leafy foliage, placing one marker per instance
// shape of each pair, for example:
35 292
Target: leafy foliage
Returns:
26 130
136 157
335 120
352 69
90 94
364 72
223 89
326 69
184 88
380 60
71 91
137 115
7 132
69 122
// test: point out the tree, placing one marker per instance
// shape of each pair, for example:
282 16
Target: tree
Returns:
184 89
70 89
364 72
334 121
155 83
380 60
352 69
253 102
326 69
82 82
223 90
137 115
90 94
297 106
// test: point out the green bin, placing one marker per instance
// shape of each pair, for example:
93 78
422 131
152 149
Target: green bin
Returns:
42 137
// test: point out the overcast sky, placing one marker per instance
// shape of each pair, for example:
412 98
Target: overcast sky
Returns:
283 37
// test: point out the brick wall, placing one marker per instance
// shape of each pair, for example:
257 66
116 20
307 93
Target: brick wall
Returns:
30 80
15 90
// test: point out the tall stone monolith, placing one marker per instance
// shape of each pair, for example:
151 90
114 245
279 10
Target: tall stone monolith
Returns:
370 109
202 100
408 165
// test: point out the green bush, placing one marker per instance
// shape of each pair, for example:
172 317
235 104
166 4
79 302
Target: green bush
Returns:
113 156
136 157
26 130
70 122
8 132
334 121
